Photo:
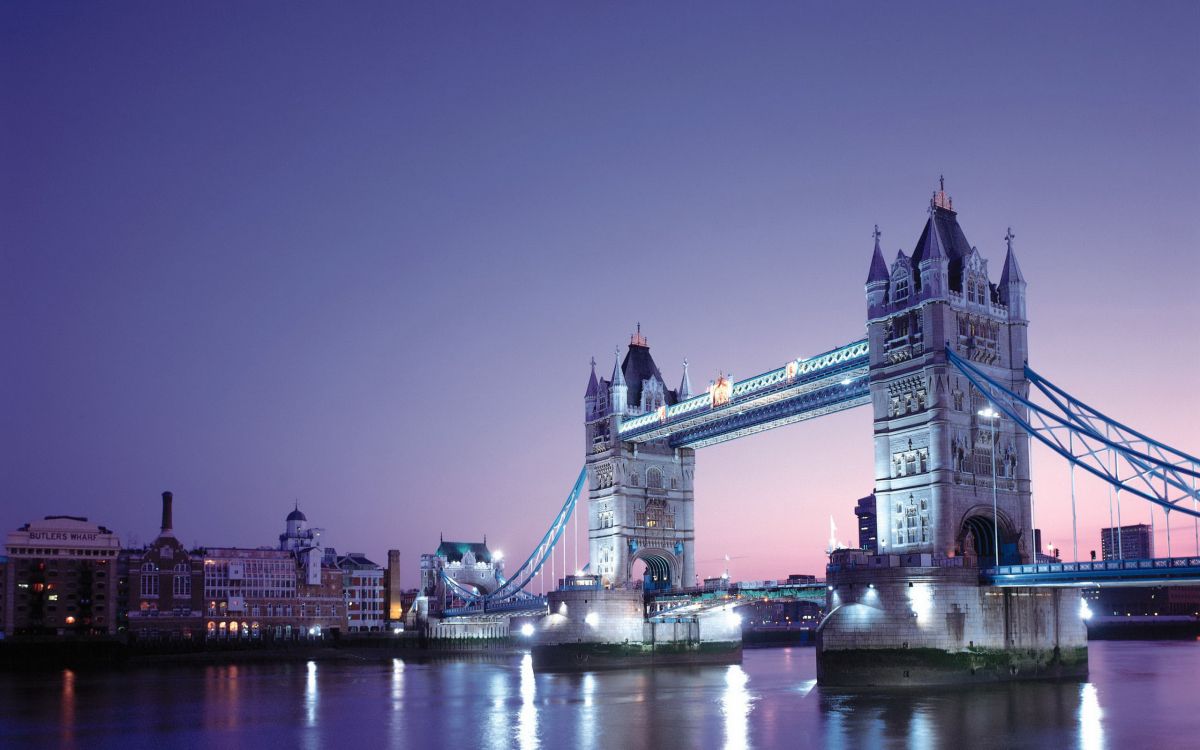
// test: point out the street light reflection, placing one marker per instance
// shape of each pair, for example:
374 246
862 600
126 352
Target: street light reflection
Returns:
736 706
1091 727
527 717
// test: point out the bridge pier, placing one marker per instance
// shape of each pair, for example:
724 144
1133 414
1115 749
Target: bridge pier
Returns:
911 620
590 628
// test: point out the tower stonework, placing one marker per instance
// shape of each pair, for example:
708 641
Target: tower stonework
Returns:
933 448
639 495
915 612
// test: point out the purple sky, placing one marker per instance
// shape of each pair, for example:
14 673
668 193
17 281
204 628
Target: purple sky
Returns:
255 252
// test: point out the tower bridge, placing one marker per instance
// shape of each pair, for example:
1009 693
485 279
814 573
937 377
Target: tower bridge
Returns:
945 370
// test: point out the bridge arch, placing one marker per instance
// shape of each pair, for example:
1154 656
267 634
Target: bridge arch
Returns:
977 536
662 567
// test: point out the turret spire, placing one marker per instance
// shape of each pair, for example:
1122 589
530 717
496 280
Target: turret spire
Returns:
1012 271
618 377
593 386
879 269
685 385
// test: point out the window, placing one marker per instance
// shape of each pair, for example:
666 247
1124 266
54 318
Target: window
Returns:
182 586
900 291
149 585
654 478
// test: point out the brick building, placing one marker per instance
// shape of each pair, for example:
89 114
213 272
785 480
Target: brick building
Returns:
231 592
165 594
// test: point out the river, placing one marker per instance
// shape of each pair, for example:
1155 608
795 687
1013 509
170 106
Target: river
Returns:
1139 694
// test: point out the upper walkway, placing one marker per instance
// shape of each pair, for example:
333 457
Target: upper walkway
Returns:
801 389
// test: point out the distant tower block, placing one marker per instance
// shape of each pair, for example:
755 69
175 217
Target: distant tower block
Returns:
933 449
639 495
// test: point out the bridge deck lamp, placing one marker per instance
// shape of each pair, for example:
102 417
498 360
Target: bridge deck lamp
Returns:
992 415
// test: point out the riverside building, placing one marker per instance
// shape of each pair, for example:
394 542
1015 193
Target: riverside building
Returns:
234 592
61 579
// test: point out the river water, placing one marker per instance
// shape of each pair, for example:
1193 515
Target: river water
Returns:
1139 694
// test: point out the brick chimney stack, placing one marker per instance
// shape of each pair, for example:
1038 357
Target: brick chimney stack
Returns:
167 523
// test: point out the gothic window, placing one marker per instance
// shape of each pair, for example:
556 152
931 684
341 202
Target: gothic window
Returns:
658 515
633 478
910 463
901 289
654 478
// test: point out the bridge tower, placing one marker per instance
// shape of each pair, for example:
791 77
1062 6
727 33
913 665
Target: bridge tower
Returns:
916 612
934 450
639 494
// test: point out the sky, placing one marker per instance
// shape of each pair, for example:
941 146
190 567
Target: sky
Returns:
359 256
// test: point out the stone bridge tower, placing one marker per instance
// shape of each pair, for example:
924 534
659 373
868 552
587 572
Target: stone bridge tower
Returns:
933 449
639 495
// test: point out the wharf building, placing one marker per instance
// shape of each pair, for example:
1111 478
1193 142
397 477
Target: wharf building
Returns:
1127 542
234 592
60 578
363 585
165 589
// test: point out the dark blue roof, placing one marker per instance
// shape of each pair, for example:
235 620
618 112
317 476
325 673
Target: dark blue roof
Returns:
296 515
950 241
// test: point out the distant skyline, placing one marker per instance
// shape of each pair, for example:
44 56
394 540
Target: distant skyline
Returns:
361 257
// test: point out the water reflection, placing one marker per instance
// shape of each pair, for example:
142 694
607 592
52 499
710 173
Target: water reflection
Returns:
67 716
585 738
311 697
396 715
1139 695
1091 727
735 706
527 718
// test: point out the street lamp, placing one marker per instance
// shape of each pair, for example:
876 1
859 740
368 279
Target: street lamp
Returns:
992 415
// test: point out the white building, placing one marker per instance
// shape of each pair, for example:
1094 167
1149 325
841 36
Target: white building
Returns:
363 586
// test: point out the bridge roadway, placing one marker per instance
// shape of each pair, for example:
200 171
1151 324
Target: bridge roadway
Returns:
801 389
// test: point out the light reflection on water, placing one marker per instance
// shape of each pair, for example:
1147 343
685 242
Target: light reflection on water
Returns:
735 705
1139 694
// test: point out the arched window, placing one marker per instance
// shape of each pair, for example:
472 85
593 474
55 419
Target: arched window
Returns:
654 478
900 288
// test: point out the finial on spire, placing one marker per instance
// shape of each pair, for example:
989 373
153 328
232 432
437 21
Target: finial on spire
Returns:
593 363
1009 237
940 199
877 234
638 339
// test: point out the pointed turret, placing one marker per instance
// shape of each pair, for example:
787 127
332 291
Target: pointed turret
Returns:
618 391
593 386
592 396
1012 281
933 269
877 277
685 385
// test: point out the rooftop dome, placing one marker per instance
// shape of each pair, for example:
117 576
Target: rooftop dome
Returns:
296 515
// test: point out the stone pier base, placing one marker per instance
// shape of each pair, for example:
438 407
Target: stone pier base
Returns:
608 629
892 624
